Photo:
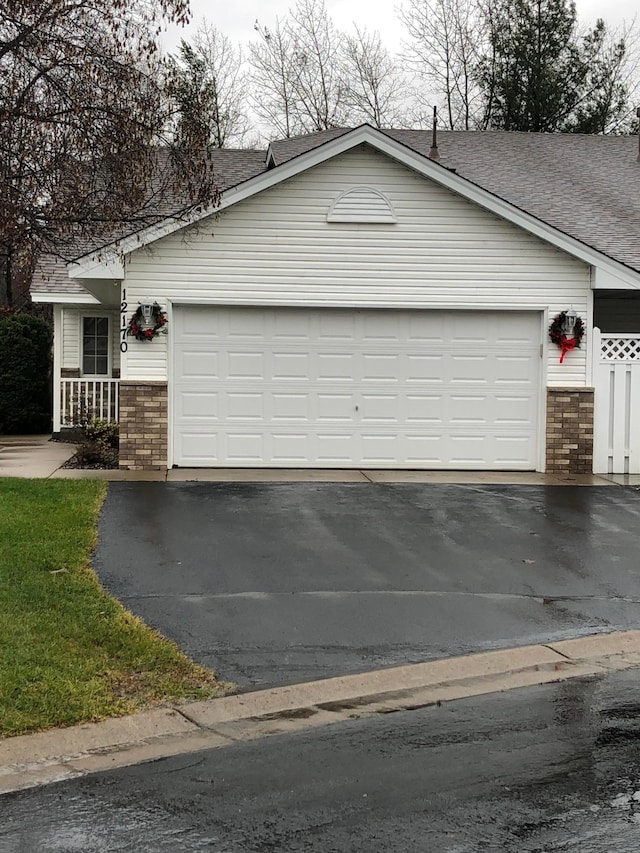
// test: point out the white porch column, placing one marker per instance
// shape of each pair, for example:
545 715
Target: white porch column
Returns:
57 363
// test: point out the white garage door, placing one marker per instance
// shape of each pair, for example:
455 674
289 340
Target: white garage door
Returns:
280 387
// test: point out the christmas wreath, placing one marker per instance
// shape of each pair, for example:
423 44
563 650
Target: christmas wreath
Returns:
144 330
557 333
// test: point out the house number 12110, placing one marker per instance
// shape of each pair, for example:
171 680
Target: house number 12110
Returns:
123 323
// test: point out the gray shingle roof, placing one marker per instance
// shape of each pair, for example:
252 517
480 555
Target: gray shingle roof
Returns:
282 150
50 276
587 187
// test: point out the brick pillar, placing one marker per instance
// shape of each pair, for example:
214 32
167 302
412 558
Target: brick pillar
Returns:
570 430
143 425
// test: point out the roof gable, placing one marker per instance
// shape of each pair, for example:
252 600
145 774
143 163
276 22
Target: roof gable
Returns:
502 173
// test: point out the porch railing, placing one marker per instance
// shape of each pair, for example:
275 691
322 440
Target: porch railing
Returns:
80 400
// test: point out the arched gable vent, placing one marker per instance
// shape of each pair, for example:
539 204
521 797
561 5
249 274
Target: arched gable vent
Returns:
361 204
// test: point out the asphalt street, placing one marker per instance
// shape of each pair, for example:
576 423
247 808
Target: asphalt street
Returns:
553 768
279 583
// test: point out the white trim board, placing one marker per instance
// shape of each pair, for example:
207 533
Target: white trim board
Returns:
65 298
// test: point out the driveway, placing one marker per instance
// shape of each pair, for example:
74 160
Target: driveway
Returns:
277 583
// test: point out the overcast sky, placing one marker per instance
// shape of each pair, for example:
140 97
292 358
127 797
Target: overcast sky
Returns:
236 18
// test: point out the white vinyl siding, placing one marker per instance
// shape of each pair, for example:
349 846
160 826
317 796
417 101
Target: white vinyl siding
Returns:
70 337
277 248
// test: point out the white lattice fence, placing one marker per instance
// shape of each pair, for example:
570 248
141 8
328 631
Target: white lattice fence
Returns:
620 348
617 403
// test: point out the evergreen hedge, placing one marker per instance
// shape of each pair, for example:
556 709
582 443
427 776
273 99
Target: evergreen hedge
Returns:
25 374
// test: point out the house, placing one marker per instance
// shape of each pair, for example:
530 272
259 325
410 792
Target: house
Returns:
355 302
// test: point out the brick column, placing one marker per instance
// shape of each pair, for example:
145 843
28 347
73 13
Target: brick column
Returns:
570 430
143 425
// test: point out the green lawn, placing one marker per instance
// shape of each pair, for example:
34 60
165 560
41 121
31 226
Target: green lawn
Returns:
68 651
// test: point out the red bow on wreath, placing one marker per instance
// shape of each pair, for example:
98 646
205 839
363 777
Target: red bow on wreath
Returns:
558 332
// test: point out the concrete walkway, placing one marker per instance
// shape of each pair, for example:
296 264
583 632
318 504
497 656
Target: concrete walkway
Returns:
32 456
45 757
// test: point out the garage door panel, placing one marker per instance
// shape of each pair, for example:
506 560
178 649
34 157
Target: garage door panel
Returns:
245 446
381 367
425 369
196 404
380 448
249 324
195 446
469 369
354 388
469 409
423 409
511 450
379 408
425 450
513 410
334 408
290 365
335 367
288 328
245 365
197 364
290 448
516 369
340 327
245 406
290 407
336 448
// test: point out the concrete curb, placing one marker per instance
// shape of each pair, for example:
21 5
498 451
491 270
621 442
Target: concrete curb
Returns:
45 757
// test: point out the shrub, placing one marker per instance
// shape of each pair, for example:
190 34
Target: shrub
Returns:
25 374
96 454
108 432
99 447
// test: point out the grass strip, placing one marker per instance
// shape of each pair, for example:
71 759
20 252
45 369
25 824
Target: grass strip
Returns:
69 652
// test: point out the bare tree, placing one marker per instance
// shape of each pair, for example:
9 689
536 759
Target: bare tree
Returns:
297 78
209 83
81 125
274 80
444 41
319 84
372 82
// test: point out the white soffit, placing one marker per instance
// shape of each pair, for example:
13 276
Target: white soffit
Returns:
110 267
602 279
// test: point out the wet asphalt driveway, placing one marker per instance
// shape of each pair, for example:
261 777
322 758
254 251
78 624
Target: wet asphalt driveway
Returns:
278 583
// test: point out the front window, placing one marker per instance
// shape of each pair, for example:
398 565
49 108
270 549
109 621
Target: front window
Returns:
95 346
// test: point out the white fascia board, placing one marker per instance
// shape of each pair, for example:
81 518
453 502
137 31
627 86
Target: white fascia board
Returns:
65 298
366 134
